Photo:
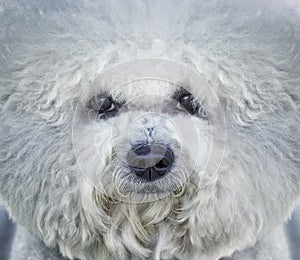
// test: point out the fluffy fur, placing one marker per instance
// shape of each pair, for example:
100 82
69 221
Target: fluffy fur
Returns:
63 173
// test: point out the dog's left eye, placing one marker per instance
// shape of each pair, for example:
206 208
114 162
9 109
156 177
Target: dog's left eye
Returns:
189 103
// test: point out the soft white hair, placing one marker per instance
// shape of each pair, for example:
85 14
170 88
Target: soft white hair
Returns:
52 54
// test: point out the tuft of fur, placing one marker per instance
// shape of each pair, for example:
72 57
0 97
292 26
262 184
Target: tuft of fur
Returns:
63 176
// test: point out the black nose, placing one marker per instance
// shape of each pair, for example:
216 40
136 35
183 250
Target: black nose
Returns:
150 162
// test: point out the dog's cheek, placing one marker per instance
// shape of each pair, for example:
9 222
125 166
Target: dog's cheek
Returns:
195 139
93 149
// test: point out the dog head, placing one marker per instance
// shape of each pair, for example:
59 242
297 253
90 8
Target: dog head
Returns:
149 158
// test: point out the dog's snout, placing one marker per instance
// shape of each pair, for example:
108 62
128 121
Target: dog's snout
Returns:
150 162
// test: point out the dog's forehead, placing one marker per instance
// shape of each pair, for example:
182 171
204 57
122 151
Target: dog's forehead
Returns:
143 88
147 77
146 89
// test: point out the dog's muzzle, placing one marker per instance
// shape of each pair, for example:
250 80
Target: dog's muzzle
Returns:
150 162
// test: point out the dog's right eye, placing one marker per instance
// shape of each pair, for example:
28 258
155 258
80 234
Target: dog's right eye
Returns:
108 108
105 106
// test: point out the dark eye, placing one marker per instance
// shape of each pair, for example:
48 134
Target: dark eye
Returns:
189 103
104 105
108 108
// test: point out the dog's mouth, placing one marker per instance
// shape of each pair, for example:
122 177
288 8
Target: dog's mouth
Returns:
121 183
134 192
133 188
160 186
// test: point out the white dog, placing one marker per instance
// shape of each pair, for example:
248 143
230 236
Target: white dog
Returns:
149 130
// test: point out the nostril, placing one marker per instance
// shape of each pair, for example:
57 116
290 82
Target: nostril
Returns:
141 149
140 164
162 165
165 163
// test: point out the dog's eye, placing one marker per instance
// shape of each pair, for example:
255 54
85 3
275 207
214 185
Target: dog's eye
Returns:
104 106
189 103
108 108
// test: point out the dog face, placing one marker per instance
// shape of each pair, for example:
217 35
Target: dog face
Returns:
145 137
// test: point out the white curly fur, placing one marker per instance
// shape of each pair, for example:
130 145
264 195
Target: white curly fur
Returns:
56 162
